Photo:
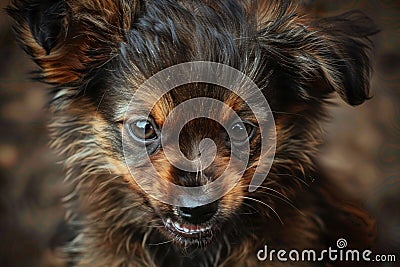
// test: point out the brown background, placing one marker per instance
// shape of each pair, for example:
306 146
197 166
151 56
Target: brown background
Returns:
361 149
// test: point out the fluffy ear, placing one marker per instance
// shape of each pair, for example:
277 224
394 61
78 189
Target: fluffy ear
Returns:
320 56
343 54
68 38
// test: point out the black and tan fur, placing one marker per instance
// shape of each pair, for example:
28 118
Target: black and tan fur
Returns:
95 53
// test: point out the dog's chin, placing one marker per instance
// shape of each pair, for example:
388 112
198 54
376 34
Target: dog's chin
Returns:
186 235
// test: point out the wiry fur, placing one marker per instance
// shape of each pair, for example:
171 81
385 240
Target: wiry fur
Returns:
97 52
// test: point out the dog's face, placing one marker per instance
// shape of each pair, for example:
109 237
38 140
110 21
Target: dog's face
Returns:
97 53
194 224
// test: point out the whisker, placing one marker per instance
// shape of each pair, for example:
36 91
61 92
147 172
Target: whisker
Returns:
250 213
265 204
160 243
271 189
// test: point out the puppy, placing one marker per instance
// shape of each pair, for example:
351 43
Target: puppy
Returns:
97 54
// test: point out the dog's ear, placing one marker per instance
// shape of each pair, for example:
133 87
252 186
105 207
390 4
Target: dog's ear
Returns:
343 53
319 56
68 38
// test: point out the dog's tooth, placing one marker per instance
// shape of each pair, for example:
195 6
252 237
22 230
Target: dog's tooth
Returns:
181 227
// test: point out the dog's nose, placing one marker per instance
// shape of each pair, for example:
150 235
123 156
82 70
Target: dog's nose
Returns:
198 215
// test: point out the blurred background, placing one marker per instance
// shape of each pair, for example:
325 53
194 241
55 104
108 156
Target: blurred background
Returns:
362 148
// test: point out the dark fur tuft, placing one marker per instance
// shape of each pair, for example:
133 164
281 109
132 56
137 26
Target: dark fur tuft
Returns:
68 39
349 40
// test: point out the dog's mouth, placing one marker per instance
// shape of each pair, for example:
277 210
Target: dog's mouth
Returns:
188 226
188 230
188 235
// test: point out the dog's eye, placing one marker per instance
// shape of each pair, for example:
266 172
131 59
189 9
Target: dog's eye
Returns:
240 132
143 130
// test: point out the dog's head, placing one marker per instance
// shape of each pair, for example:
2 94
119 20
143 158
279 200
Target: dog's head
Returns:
97 54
